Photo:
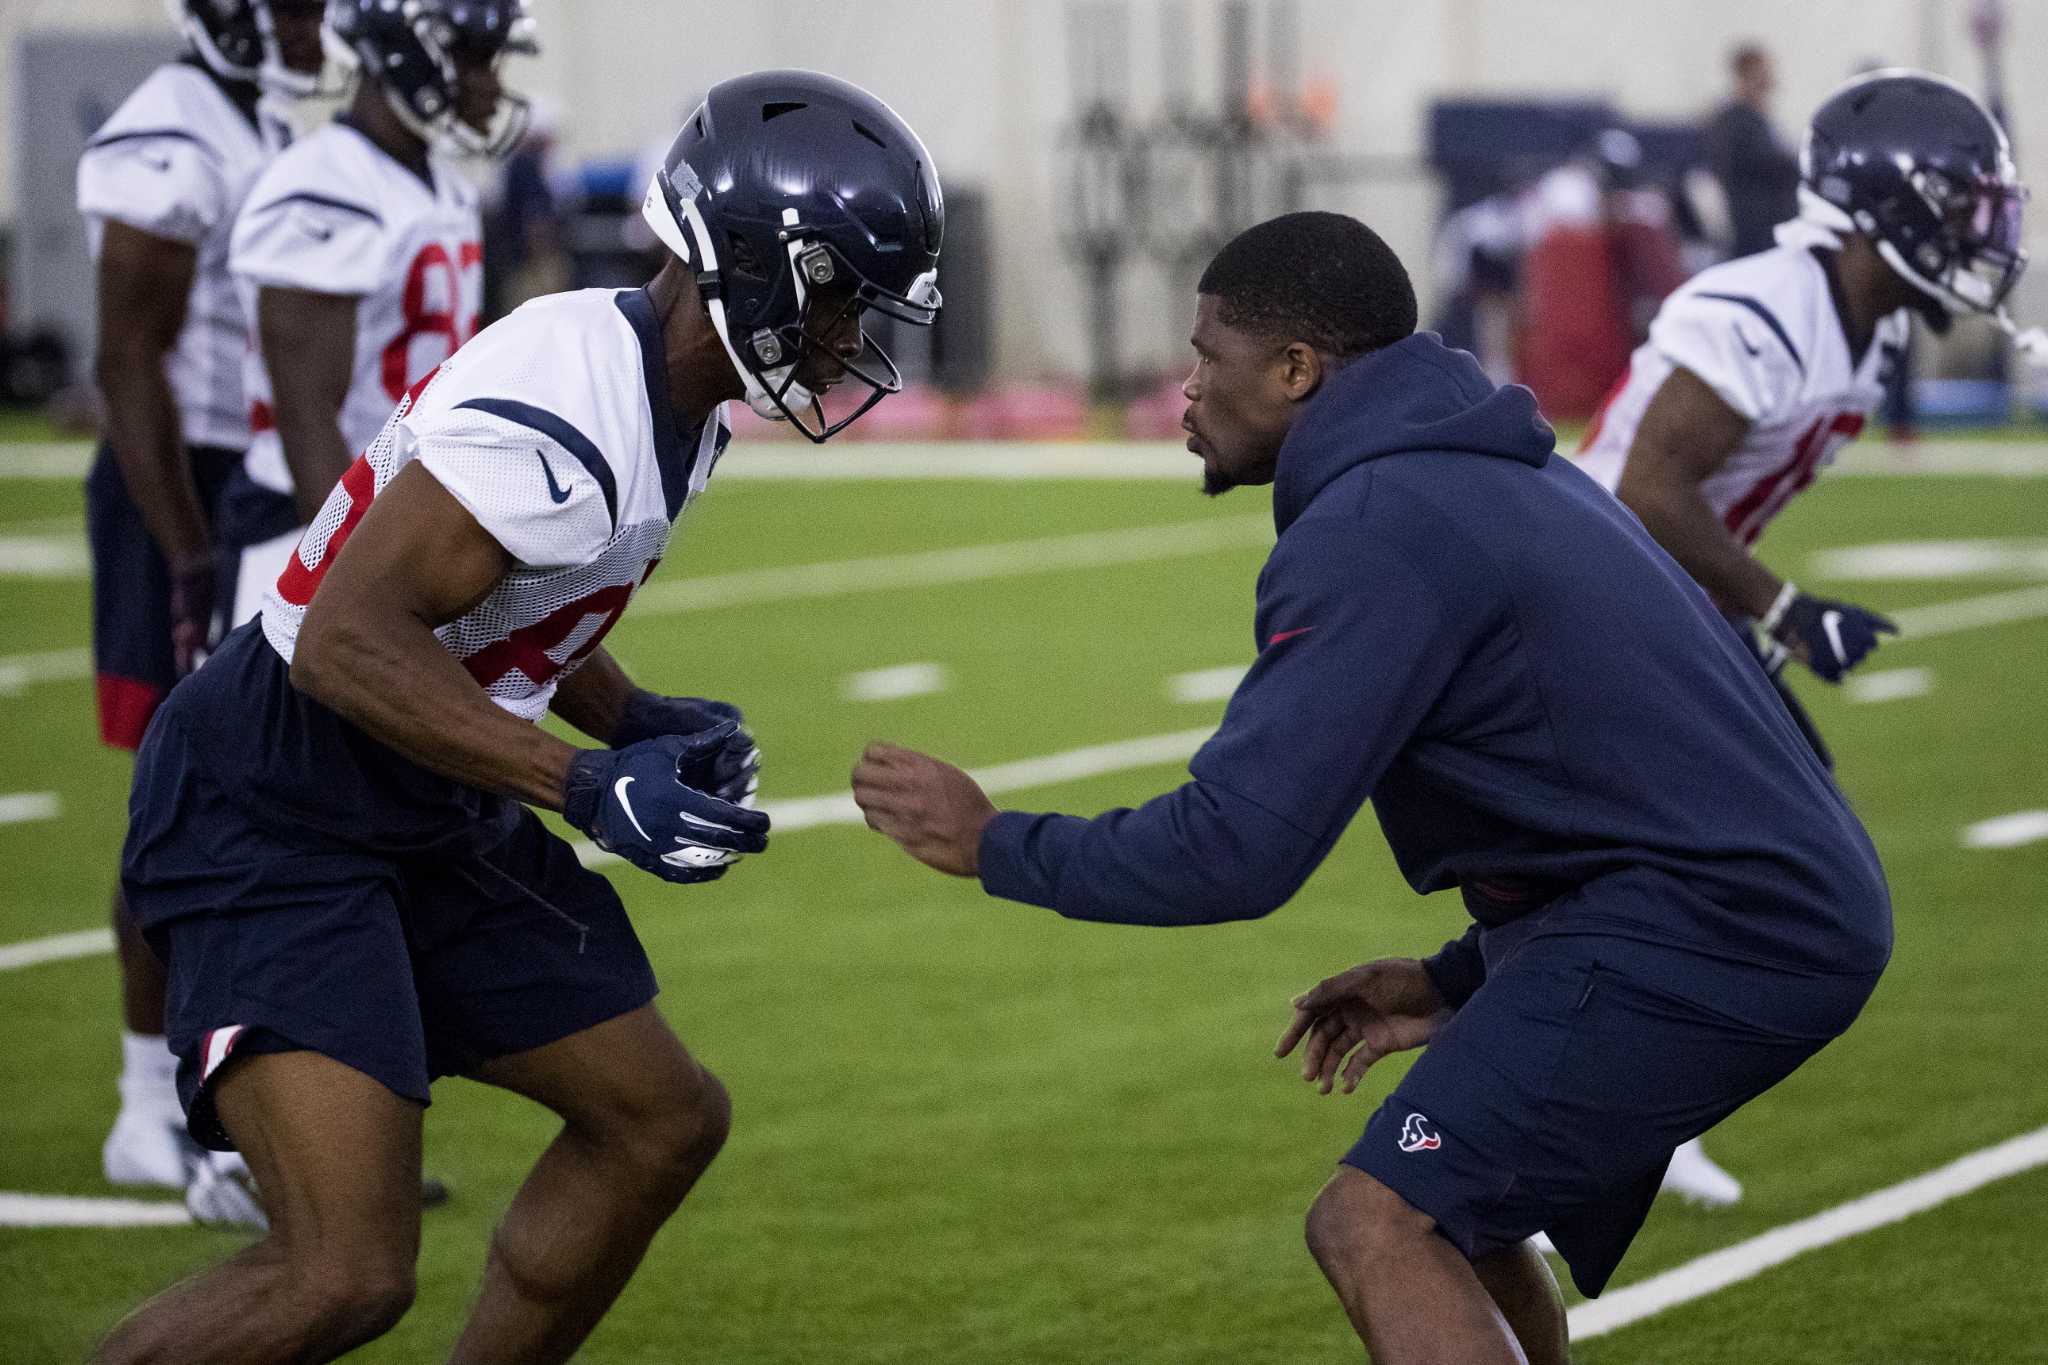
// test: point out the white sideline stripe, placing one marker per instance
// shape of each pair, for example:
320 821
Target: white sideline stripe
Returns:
1164 460
838 808
21 808
1891 684
56 948
74 1211
44 557
1732 1265
1208 684
2008 831
894 684
844 577
963 564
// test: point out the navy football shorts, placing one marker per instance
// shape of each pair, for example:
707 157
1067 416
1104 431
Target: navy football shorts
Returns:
1553 1099
403 968
133 664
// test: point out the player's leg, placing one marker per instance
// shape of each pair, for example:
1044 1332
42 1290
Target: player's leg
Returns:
133 670
1411 1295
641 1120
338 1158
1519 1281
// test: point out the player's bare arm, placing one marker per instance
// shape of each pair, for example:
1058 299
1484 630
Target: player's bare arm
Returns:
595 696
603 702
367 648
1372 1011
309 344
1687 433
145 285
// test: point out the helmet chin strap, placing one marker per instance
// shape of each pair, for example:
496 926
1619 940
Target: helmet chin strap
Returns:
690 240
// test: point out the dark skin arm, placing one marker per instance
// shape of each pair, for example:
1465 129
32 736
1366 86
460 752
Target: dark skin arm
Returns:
309 349
367 648
594 697
1687 434
145 283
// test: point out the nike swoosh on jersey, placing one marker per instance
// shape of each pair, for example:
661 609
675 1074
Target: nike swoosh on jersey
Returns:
555 490
619 790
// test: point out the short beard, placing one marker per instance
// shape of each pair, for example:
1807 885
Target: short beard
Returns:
1215 483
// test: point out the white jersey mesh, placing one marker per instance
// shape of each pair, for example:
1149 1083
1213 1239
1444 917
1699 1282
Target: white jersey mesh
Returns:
1763 333
543 429
335 214
176 161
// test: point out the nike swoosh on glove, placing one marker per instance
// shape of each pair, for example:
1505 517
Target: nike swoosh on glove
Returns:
1837 635
634 802
732 772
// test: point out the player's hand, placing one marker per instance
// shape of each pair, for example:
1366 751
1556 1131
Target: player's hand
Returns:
634 803
934 810
731 772
1366 1013
1827 636
192 592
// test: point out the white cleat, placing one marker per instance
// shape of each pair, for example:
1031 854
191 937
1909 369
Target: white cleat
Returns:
147 1148
220 1193
1542 1244
1698 1178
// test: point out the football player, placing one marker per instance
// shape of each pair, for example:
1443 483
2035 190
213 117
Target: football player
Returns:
1758 371
359 257
158 187
329 844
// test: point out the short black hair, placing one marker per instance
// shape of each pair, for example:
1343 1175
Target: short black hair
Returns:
1322 278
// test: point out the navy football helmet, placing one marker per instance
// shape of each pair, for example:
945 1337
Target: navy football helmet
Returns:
785 187
410 47
1923 170
237 40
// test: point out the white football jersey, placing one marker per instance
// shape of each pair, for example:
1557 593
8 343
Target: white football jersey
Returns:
336 214
176 161
554 429
1763 333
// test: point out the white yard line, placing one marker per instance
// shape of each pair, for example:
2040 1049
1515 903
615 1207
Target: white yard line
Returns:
1208 684
22 808
58 556
1890 684
964 564
1070 765
1944 459
1968 613
45 460
1922 560
56 948
2008 831
1731 1265
51 665
75 1211
894 683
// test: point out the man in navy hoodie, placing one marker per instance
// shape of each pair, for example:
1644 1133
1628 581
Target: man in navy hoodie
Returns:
1673 906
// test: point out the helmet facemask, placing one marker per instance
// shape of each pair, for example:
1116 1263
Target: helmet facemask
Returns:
816 291
1971 262
240 43
432 111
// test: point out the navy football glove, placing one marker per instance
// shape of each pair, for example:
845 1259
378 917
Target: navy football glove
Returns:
633 802
732 772
1836 636
192 590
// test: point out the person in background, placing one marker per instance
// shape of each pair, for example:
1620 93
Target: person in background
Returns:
1758 171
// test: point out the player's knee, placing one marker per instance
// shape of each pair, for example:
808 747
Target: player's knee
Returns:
1357 1219
672 1141
357 1301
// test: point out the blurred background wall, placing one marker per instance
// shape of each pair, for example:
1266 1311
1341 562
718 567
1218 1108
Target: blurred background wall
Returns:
991 85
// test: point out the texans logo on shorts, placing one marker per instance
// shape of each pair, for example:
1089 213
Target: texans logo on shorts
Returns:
1418 1136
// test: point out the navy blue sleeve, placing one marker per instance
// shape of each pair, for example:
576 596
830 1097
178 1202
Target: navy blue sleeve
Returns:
1355 646
1457 969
